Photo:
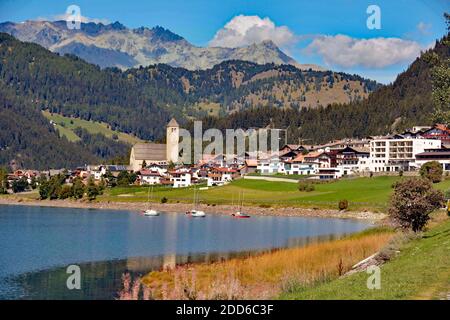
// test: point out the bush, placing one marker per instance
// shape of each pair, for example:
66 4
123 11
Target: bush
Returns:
306 186
19 185
78 188
92 190
163 200
343 205
432 171
412 202
66 192
3 181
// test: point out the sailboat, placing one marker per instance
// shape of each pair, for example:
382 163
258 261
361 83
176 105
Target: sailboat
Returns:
239 213
150 212
194 212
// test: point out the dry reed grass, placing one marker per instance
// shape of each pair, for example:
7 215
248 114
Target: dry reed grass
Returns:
267 275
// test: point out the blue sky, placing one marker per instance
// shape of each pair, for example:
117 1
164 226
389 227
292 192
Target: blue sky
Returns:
325 32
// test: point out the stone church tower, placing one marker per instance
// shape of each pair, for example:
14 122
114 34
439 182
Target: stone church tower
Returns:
172 137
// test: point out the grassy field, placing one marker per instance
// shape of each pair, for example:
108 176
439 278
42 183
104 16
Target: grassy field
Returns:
267 274
421 271
212 108
279 175
362 193
66 125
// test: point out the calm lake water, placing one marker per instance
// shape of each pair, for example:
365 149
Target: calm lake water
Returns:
37 244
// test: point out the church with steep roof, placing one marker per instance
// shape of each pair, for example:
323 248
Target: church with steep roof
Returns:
157 153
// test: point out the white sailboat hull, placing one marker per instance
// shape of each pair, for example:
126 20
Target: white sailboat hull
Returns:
151 213
196 213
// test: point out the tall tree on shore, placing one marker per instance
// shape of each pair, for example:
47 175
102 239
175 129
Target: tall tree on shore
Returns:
3 181
440 75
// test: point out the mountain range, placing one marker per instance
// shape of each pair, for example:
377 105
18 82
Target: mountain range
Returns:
114 45
232 94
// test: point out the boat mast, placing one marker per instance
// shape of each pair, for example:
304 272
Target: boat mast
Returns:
195 199
148 198
150 203
240 201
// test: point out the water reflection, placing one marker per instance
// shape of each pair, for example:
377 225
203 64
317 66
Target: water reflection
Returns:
35 239
103 280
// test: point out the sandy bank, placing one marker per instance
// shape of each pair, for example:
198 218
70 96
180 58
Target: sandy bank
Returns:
183 207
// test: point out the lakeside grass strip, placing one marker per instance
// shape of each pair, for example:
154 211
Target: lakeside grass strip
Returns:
266 275
420 271
362 193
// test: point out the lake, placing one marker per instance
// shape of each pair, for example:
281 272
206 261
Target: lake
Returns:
39 243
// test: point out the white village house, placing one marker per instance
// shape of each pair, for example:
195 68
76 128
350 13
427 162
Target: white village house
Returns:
181 178
220 176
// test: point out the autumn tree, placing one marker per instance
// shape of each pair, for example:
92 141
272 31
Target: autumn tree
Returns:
412 202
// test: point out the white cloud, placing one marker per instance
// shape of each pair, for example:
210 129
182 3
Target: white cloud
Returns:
344 51
245 30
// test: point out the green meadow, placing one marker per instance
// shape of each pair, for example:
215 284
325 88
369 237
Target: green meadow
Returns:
362 193
67 125
420 271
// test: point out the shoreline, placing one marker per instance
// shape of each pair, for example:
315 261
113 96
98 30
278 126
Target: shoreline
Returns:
183 207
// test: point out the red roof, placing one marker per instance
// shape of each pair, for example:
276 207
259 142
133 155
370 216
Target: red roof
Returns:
224 170
149 173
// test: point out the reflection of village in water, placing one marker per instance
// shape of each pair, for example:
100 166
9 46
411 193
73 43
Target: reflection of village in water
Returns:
103 280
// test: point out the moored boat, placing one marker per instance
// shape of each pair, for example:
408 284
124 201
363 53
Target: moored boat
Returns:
150 212
240 215
196 213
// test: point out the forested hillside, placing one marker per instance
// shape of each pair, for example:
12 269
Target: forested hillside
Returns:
406 102
237 85
141 101
27 137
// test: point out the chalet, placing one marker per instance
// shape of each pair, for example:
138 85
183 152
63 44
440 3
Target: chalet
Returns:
220 176
298 148
180 178
352 160
162 170
148 177
299 166
323 159
438 131
269 165
288 155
